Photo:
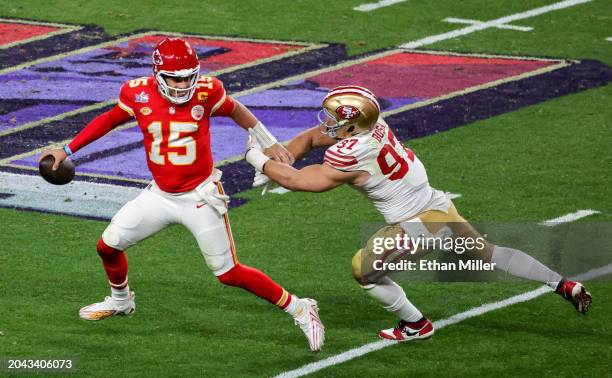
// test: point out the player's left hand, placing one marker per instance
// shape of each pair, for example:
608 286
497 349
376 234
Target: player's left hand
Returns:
259 179
279 153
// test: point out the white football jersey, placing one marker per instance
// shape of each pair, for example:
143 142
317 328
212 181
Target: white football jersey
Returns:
398 184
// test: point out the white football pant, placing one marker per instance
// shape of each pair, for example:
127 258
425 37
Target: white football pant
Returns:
153 210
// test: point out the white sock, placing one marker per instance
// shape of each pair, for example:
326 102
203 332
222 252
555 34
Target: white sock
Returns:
393 299
293 305
120 294
522 265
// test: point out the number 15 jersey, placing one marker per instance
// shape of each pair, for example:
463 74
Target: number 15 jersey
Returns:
398 185
176 137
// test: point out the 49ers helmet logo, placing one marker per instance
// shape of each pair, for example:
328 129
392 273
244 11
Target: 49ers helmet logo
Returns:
347 112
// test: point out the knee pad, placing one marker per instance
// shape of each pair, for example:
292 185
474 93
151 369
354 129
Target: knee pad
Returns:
125 227
217 249
356 263
113 237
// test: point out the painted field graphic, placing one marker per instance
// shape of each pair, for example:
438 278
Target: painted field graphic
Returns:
70 75
399 78
14 32
50 88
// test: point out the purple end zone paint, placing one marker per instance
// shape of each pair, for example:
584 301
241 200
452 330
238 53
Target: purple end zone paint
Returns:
286 110
87 36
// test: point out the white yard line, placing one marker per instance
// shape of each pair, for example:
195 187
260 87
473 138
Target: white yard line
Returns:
609 39
569 217
454 319
373 6
492 24
453 20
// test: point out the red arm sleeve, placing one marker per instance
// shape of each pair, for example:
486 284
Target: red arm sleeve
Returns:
99 126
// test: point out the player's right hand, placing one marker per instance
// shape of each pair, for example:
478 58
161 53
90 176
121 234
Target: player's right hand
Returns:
58 154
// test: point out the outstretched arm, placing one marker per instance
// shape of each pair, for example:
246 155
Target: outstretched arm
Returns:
307 140
313 178
94 130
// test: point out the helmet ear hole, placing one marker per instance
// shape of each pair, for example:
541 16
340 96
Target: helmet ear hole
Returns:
350 129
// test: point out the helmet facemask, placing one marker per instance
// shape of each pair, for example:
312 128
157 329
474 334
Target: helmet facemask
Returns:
178 95
348 111
332 127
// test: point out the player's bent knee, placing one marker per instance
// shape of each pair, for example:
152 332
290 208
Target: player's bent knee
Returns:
106 250
357 269
233 277
356 265
113 237
219 264
217 249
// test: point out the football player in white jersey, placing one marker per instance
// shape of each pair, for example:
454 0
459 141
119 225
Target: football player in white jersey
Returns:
364 153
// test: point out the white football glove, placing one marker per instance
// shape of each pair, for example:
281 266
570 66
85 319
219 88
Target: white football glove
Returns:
260 179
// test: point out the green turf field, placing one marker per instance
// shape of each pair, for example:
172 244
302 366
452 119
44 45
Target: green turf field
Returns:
537 163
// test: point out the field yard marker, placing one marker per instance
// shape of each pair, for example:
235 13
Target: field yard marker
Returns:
454 319
569 217
373 6
492 24
454 20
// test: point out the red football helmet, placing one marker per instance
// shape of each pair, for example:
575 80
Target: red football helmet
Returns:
174 57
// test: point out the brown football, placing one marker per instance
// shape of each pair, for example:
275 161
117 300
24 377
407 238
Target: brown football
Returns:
63 175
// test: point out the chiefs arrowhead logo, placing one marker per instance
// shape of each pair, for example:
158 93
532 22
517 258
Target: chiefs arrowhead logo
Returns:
347 112
157 59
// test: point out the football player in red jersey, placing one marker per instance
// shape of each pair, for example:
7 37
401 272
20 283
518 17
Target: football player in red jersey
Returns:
364 153
173 109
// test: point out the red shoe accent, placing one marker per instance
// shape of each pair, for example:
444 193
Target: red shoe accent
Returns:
565 289
575 293
405 331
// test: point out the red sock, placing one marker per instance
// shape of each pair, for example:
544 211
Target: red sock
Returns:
115 265
258 283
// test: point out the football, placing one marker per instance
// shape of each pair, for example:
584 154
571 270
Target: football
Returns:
63 175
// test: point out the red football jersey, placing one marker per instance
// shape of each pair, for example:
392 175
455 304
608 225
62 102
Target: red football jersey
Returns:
176 137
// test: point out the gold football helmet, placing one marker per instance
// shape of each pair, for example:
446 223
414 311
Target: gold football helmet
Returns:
348 111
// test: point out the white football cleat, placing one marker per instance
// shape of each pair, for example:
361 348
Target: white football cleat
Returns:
109 307
307 317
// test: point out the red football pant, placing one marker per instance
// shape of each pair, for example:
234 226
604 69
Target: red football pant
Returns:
258 283
115 265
